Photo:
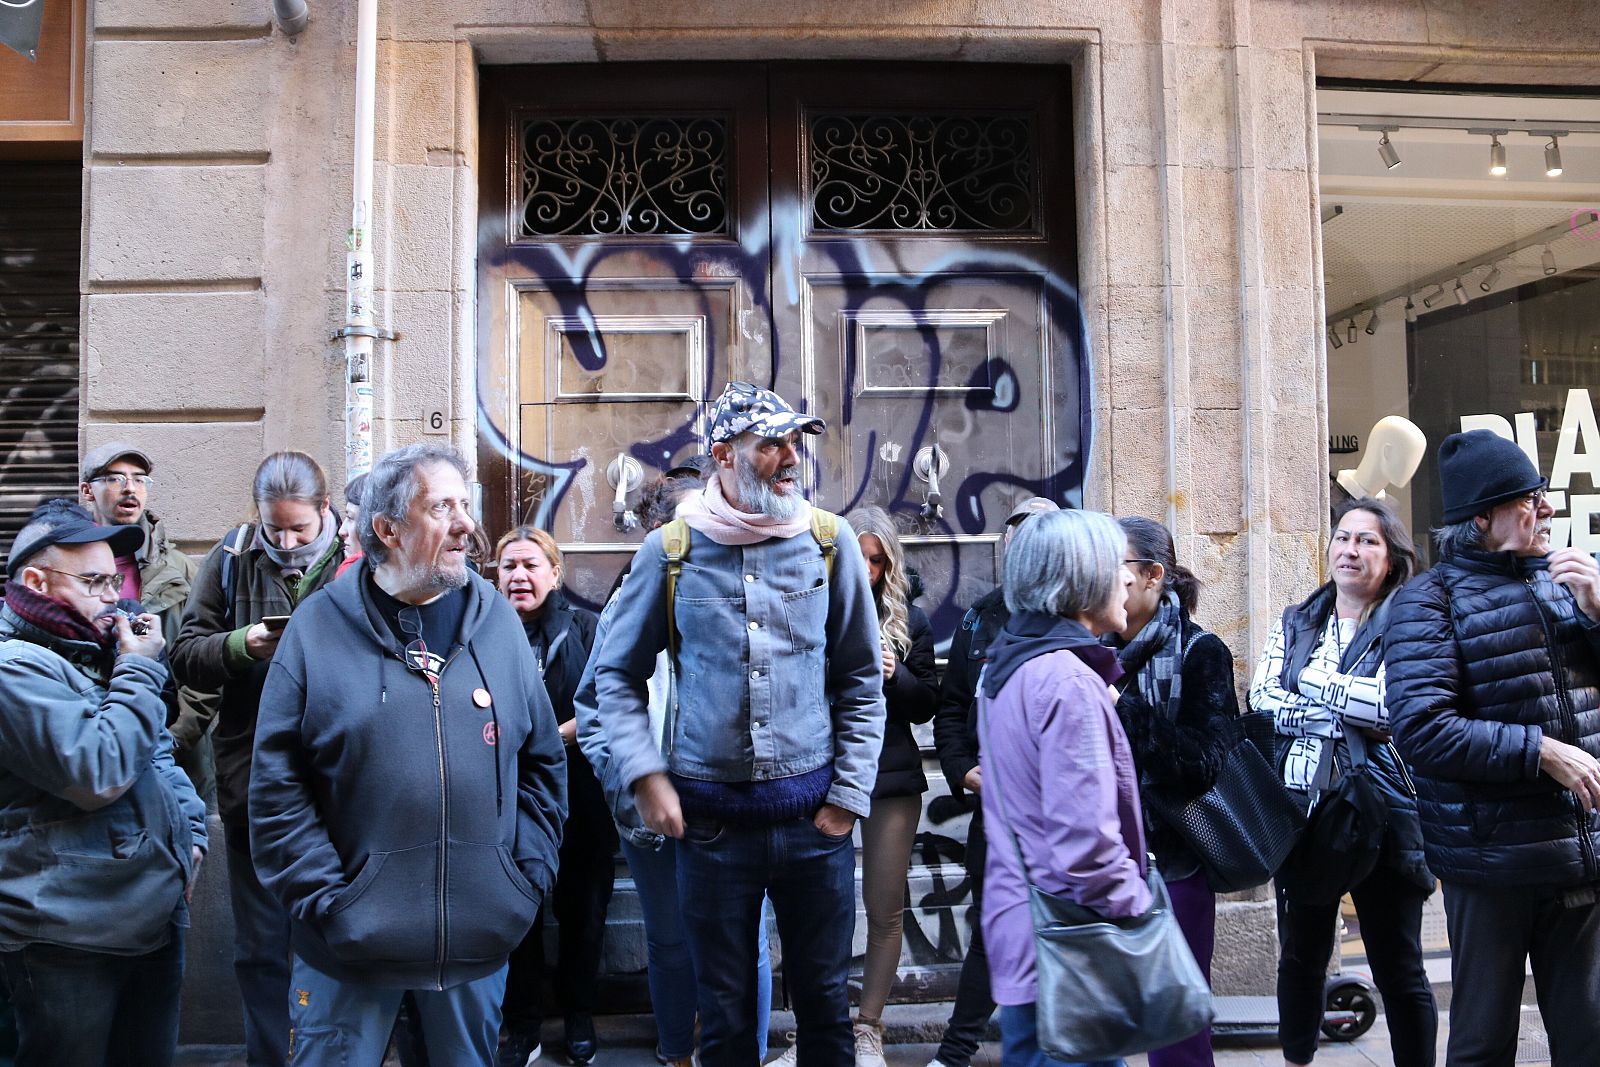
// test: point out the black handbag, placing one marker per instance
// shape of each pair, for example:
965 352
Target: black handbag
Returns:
1344 833
1247 823
1107 988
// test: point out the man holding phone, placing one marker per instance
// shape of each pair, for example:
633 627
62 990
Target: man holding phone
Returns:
246 589
105 834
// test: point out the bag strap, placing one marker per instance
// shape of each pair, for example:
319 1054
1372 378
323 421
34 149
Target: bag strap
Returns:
230 563
992 786
825 531
675 543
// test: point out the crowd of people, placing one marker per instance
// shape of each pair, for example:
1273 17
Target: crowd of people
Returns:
410 761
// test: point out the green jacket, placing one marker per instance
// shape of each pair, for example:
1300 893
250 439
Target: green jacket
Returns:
209 651
165 577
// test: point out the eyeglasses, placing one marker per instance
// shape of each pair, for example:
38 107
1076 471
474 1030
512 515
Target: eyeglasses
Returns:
1535 500
1147 562
122 481
98 584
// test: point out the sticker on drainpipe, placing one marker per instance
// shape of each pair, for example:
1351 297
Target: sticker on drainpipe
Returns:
435 422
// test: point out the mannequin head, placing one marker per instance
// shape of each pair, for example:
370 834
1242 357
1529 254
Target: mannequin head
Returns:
1395 448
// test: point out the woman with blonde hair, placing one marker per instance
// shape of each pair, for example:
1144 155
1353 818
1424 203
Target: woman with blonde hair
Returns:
888 833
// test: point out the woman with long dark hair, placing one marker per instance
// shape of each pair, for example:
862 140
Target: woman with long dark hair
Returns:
1322 678
1175 702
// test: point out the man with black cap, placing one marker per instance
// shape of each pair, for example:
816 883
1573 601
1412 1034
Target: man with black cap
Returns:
1493 664
764 604
100 833
114 485
955 736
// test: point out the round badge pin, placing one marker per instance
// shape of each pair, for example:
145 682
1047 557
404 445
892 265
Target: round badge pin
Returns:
481 698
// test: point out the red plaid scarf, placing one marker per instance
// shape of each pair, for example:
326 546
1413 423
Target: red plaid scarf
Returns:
54 617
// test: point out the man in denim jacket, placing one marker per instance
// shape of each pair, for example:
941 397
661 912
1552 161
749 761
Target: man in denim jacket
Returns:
774 751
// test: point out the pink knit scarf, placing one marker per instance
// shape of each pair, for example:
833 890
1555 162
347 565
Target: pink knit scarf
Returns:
711 513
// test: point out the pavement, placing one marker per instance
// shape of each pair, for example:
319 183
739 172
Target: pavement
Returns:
913 1029
621 1046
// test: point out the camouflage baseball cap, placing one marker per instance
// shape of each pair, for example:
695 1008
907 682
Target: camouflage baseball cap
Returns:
743 406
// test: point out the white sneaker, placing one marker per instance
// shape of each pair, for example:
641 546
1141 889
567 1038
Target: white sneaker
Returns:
791 1055
869 1045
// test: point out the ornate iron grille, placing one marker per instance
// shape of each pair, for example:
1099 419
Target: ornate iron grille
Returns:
923 172
627 175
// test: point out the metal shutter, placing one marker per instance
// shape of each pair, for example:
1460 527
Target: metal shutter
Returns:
40 216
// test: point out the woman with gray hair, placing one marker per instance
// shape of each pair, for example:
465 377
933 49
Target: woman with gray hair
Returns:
1051 731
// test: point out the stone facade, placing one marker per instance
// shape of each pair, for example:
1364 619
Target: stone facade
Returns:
219 185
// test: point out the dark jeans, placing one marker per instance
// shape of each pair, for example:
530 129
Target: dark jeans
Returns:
260 955
580 898
810 878
1019 1041
1390 910
1491 933
969 1016
86 1009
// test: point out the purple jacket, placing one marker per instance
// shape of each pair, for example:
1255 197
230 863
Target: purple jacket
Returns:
1052 731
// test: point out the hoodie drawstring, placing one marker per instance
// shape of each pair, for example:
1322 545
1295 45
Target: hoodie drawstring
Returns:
494 716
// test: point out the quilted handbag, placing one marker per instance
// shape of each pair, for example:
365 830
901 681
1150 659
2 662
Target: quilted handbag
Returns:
1247 823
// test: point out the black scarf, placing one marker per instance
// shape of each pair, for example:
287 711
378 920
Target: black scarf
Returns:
1029 634
1155 656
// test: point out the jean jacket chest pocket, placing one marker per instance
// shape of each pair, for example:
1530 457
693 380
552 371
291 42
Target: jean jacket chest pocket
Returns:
805 612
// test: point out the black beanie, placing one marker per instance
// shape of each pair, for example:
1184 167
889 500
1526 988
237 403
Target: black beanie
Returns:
1479 469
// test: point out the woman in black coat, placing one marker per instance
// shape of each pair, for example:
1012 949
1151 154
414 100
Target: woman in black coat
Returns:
528 573
888 833
1322 676
1175 702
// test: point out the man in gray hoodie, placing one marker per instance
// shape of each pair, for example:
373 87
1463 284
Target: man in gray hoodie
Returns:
100 833
408 784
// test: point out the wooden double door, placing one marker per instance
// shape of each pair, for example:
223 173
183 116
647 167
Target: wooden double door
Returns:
890 247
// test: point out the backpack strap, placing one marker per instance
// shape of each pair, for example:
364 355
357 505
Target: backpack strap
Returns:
230 561
675 543
825 530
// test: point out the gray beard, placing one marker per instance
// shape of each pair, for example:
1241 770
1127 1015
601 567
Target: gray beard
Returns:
759 498
433 579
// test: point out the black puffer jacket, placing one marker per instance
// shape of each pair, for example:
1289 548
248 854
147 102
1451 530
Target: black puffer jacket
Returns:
910 698
1486 655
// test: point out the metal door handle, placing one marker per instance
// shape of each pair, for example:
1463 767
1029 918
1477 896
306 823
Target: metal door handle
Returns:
929 464
624 473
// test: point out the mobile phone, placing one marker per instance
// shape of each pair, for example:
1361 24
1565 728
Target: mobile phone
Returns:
275 622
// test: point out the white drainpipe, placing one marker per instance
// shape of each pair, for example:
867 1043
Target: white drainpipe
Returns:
360 330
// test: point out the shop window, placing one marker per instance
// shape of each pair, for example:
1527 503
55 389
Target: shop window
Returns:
1461 249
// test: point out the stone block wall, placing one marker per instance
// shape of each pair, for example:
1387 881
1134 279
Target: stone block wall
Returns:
218 190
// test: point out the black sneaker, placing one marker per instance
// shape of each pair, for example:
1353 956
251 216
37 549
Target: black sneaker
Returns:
581 1042
519 1050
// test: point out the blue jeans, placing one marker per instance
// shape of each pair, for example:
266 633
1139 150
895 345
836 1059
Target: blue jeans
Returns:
347 1024
77 1008
1019 1041
670 965
260 955
810 878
